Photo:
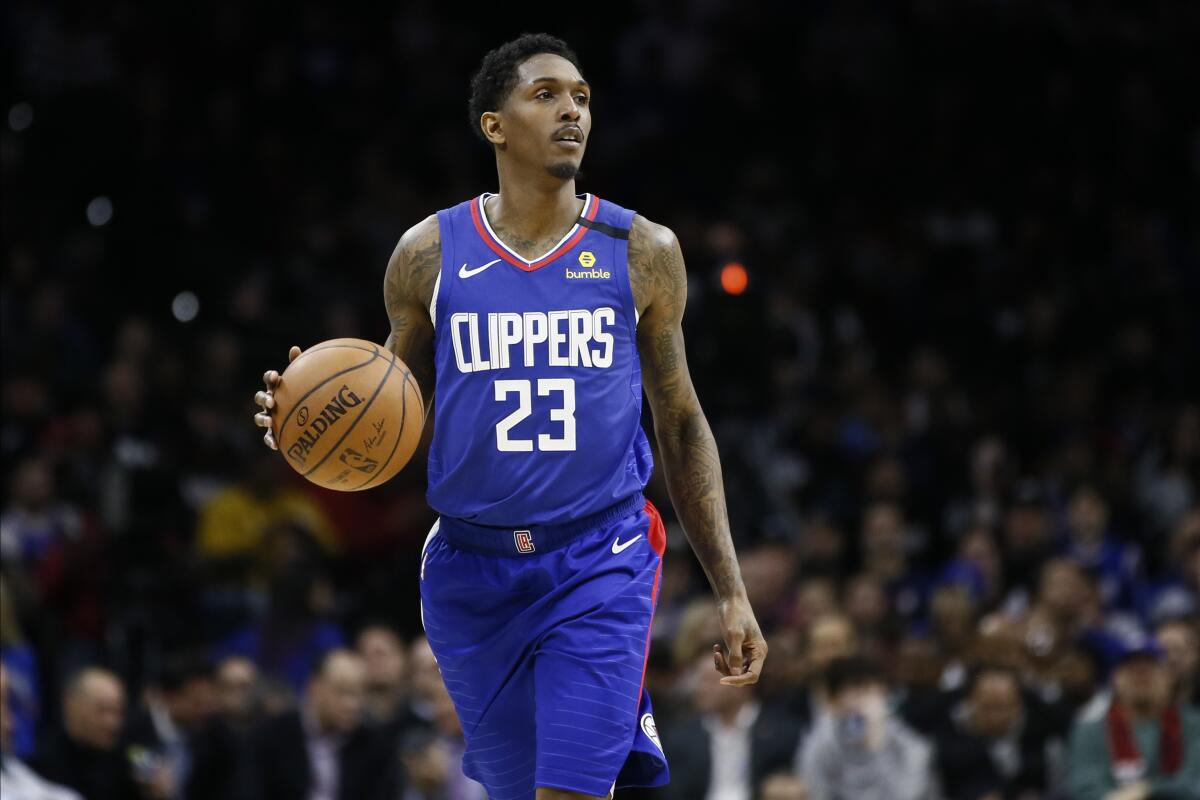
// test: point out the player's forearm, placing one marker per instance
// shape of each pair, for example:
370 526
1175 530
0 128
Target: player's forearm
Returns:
693 471
418 359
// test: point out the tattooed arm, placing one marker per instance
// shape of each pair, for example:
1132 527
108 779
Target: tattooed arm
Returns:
686 444
407 293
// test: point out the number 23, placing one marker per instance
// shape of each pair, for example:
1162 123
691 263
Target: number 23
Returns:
564 414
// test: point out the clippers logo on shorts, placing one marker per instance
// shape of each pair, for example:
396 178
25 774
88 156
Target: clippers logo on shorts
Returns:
524 541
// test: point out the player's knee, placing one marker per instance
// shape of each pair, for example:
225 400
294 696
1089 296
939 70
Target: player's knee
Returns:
561 794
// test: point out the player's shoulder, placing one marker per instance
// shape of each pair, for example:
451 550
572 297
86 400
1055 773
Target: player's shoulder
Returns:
656 270
649 238
415 263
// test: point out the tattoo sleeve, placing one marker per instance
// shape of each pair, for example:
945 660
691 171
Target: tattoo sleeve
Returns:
407 293
687 448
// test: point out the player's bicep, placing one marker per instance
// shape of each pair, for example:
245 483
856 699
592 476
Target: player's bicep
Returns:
658 262
408 287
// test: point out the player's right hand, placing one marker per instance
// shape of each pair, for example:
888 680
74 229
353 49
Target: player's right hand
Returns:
266 400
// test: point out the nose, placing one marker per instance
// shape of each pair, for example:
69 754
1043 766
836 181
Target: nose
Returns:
570 112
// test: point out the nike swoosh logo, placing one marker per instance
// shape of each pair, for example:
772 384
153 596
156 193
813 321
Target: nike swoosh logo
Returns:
463 272
618 547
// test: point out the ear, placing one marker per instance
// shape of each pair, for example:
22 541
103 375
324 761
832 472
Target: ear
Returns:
493 128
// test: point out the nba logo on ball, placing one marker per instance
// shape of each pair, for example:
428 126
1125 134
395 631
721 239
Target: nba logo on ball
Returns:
524 541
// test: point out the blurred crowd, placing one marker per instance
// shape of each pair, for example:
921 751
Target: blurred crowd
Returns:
958 404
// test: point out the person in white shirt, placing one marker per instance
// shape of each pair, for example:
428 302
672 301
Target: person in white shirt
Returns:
17 781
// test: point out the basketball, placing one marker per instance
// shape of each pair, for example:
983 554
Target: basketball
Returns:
348 414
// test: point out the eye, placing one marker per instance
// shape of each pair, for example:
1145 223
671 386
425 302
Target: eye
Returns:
544 94
582 99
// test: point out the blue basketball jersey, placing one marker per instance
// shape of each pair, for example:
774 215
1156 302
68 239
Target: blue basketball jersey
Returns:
539 395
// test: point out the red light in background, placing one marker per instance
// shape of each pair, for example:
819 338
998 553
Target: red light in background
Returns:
734 278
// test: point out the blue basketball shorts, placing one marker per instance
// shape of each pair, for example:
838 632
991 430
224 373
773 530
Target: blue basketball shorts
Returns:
542 642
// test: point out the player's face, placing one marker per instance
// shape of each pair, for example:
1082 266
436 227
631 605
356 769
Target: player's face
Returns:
547 117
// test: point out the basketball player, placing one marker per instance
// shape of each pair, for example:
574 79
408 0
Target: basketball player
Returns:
535 317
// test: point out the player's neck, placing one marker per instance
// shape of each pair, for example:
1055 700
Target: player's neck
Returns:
534 209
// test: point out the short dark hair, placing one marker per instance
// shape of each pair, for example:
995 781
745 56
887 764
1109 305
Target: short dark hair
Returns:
179 669
853 672
497 74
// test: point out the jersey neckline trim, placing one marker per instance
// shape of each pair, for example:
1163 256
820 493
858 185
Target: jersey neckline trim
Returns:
591 205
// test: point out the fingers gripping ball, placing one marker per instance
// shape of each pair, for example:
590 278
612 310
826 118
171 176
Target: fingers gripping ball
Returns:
348 414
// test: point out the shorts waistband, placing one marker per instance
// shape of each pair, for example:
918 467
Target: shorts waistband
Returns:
531 539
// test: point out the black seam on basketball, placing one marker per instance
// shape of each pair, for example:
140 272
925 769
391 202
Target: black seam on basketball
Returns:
318 348
386 377
339 374
403 416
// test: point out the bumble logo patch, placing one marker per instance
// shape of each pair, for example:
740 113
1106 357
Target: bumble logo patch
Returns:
587 258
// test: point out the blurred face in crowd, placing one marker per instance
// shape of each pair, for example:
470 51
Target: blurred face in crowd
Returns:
783 786
866 603
337 692
708 694
830 637
1026 529
1180 642
94 709
917 663
237 680
953 614
192 703
979 548
1088 515
1143 685
816 597
1000 641
384 656
994 704
1063 591
767 572
33 485
883 541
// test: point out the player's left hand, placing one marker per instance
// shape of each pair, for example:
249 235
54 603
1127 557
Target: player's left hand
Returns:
741 658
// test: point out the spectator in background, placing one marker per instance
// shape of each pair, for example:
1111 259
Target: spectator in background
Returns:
35 520
1177 592
1146 745
783 786
17 781
1180 643
87 754
859 749
828 638
1027 542
238 700
21 662
386 662
731 745
322 750
431 753
236 522
885 558
1067 614
178 728
298 628
996 742
865 601
1114 562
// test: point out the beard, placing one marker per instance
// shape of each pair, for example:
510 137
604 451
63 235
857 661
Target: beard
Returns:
564 170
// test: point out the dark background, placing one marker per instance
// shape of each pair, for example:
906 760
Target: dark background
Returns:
970 228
